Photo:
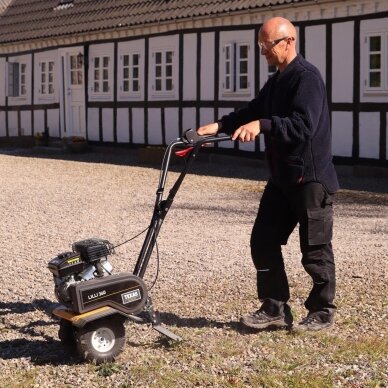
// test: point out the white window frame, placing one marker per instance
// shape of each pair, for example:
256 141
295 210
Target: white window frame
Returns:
232 74
20 78
130 74
163 72
46 78
101 77
383 69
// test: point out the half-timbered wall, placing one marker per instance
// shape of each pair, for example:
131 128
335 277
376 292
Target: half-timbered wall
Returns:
148 89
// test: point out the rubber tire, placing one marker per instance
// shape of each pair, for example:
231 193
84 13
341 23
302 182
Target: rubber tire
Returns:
66 334
101 340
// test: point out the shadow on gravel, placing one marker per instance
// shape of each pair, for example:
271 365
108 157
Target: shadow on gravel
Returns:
208 162
41 351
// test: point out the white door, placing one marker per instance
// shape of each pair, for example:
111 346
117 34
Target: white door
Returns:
73 121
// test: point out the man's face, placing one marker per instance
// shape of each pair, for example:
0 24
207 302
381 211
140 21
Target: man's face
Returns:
273 47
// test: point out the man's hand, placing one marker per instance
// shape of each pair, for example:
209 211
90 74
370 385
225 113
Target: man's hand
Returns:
209 129
247 132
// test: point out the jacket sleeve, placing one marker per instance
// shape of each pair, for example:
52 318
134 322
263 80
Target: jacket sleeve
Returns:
305 111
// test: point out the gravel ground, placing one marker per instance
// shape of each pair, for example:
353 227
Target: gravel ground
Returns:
206 279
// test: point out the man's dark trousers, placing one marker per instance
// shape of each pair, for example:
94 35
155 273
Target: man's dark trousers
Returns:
280 210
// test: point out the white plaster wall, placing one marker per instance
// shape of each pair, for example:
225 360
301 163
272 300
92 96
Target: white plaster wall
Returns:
26 122
207 66
190 67
107 124
172 121
3 71
138 126
3 131
12 123
369 135
39 121
93 124
122 125
342 133
316 48
342 62
53 122
188 118
206 116
154 126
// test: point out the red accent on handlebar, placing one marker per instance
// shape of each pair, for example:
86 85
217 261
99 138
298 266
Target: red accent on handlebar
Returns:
184 152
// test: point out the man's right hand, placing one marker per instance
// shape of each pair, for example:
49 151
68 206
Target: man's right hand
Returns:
209 129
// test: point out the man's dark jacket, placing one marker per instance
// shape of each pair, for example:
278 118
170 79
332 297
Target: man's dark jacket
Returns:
295 120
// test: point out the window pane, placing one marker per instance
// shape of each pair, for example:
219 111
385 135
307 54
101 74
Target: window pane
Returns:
158 84
126 86
227 52
375 43
126 73
105 74
227 70
375 61
51 66
135 86
51 89
51 77
96 74
43 66
158 58
96 87
73 78
97 62
168 71
105 87
158 71
135 59
43 78
243 82
243 67
80 80
169 57
73 62
135 72
169 84
43 90
243 51
375 80
106 61
125 60
227 83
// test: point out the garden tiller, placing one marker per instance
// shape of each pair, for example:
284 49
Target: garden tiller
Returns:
94 302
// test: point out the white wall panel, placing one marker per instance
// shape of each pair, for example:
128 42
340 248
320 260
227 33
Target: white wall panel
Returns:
206 116
343 62
369 135
342 133
190 67
26 123
3 130
188 118
53 122
107 124
154 126
171 125
138 126
93 124
207 66
316 48
122 125
223 112
39 121
3 70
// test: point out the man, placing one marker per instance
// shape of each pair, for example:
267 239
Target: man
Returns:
291 112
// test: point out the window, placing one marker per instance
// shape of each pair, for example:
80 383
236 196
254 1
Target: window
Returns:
76 70
101 75
46 78
163 71
236 68
17 78
377 62
130 73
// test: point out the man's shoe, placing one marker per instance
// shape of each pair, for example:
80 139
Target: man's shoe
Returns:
261 320
315 321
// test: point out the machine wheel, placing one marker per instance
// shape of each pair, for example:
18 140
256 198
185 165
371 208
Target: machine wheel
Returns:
101 340
66 334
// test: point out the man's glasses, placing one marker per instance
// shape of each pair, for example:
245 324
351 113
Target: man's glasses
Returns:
270 45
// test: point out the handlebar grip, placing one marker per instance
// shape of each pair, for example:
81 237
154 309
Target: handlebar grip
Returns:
191 137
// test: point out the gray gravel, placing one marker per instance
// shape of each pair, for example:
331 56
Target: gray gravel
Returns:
206 280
